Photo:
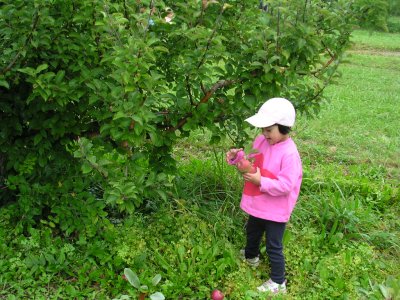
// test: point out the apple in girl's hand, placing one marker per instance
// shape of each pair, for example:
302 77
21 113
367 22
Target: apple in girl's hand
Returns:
217 295
246 166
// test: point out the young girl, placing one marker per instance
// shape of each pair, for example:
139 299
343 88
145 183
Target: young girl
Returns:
271 192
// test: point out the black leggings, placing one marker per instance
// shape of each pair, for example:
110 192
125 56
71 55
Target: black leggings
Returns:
255 230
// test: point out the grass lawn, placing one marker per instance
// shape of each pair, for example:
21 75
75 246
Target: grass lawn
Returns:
360 124
376 41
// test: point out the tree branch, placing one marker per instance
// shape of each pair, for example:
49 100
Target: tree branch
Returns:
304 10
189 90
331 60
203 58
278 30
203 89
149 17
206 97
325 85
29 38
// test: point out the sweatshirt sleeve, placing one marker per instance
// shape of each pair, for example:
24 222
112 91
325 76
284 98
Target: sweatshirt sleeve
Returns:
286 179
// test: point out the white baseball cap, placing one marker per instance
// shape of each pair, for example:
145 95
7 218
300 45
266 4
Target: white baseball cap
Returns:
274 111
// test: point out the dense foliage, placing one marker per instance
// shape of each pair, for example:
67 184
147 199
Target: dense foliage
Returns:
377 14
372 14
394 7
94 94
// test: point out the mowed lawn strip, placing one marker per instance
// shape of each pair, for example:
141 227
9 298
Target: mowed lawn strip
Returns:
360 123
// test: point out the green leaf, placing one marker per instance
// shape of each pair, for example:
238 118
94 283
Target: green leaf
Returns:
203 109
130 88
161 49
157 296
181 253
37 139
162 194
34 43
187 127
59 76
257 64
92 159
144 288
132 278
41 68
267 77
156 279
86 168
29 71
250 100
119 115
156 139
4 84
152 40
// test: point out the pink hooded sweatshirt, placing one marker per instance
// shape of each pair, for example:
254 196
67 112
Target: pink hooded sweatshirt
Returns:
281 175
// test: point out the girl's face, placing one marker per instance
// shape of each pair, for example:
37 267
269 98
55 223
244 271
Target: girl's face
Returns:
273 136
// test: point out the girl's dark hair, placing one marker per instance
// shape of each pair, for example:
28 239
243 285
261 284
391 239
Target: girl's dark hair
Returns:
283 129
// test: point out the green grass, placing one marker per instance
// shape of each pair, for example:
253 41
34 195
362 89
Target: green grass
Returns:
360 123
375 41
354 144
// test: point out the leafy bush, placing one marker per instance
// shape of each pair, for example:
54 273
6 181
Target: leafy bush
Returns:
371 14
394 24
394 8
97 94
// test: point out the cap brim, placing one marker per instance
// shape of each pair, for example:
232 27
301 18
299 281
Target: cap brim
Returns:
260 121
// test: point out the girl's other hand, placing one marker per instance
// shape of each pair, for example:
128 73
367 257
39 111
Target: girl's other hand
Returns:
254 178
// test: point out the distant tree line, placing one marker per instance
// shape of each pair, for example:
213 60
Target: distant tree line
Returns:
375 14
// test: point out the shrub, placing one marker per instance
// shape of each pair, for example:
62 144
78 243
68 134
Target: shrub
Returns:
394 8
95 94
394 24
371 14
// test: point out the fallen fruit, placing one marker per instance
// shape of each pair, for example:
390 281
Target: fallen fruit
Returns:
217 295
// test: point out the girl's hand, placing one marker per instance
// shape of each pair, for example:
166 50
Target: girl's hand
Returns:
231 154
254 178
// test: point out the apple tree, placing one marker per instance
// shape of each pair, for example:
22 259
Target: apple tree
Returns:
95 94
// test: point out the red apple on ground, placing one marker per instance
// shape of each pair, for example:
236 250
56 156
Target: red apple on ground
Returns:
217 295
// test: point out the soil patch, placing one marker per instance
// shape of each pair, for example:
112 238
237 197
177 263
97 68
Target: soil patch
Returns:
374 52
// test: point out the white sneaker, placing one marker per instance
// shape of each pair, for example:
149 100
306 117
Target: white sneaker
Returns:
272 287
254 262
